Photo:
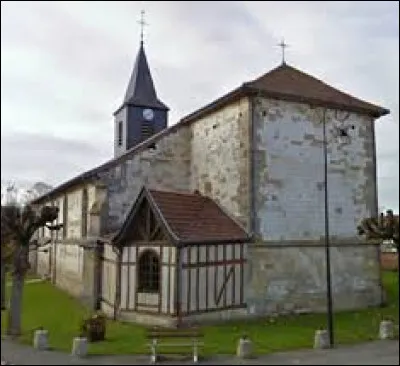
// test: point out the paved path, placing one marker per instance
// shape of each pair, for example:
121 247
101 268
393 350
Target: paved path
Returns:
372 353
33 280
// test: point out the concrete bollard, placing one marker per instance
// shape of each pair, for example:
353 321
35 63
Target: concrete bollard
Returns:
386 329
79 347
40 339
244 348
321 339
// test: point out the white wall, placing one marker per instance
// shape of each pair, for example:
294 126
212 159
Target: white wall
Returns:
68 260
290 172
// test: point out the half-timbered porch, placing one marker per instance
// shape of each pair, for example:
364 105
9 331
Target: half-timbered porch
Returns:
178 258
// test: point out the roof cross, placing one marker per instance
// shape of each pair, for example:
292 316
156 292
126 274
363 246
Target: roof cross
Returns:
142 24
283 45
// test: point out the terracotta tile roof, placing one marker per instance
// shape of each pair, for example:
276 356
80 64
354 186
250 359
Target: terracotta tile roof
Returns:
193 217
288 82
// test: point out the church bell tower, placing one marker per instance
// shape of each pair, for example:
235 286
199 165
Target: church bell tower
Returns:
141 114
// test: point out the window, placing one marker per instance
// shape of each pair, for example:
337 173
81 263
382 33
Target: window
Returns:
149 272
65 217
53 233
84 212
120 133
147 130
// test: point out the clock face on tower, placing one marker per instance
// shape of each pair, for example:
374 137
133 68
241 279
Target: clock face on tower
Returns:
148 114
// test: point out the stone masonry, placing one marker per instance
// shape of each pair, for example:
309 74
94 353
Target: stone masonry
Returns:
214 154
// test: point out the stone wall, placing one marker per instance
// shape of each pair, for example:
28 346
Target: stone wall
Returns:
290 171
287 273
219 158
166 166
68 265
71 266
74 220
42 263
293 279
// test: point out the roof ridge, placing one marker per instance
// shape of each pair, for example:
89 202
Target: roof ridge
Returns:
184 193
283 67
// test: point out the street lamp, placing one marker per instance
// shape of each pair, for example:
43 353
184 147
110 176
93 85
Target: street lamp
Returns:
341 133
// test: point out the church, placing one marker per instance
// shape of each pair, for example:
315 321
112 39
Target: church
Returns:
221 215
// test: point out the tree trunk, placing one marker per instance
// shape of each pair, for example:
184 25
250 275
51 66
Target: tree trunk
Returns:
3 278
3 284
15 311
20 269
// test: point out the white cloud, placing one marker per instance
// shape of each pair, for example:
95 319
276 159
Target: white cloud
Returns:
65 65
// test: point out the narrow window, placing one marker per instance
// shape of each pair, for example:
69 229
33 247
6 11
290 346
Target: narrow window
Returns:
65 217
149 272
84 212
120 133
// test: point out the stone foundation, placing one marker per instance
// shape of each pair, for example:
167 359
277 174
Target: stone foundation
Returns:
284 280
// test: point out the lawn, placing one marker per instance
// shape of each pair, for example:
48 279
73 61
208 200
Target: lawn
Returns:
51 308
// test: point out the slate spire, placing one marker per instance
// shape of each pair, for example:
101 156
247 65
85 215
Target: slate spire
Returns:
141 91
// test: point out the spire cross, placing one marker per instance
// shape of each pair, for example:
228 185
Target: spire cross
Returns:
283 45
142 24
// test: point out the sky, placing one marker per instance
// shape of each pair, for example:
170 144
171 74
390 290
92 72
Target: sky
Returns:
65 67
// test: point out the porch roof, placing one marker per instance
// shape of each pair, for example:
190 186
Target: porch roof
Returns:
188 218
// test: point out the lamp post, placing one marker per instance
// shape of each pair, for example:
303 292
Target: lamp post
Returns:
342 132
327 243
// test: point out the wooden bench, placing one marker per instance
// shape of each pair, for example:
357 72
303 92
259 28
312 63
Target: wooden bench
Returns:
175 338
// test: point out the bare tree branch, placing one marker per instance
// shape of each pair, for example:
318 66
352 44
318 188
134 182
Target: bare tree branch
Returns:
384 227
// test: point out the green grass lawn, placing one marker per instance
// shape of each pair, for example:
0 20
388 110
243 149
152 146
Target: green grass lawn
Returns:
47 306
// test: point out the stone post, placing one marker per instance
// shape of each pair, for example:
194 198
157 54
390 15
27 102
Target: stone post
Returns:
321 339
244 348
79 347
40 339
386 329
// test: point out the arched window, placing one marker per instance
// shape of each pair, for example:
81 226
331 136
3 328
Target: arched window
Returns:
149 272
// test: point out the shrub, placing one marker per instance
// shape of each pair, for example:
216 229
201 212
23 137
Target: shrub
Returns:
94 327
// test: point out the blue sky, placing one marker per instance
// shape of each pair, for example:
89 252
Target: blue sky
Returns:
65 67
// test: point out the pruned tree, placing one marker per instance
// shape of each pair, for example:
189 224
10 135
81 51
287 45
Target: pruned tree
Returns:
5 246
18 225
383 227
6 253
6 250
